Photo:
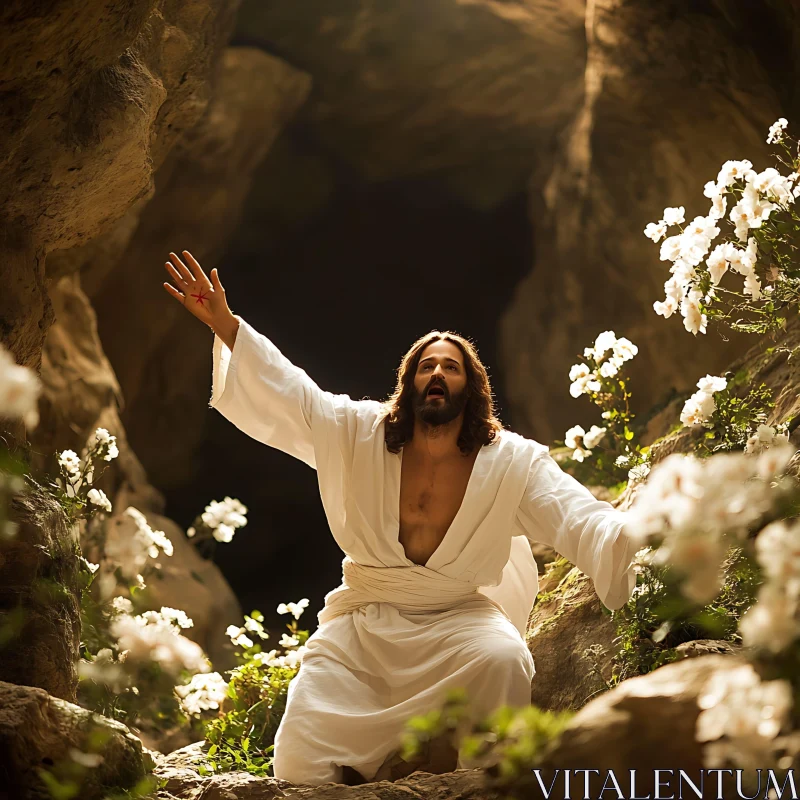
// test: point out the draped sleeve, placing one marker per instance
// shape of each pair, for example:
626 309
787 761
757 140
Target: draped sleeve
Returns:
267 397
557 510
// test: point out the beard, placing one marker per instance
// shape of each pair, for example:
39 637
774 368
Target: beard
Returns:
438 412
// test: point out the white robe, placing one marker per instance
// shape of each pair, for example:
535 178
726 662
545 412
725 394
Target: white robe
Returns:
395 636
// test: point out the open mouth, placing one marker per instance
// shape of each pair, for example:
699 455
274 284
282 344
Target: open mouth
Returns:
435 391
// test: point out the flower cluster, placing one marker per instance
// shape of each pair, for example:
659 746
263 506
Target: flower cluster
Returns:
19 390
741 718
701 405
697 269
204 692
582 442
156 636
773 623
74 485
295 609
766 436
599 376
130 541
693 510
606 357
252 623
220 519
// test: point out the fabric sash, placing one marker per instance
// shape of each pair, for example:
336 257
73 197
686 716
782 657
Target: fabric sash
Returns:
408 588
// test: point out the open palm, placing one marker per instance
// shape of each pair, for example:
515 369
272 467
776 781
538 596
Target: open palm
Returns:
203 297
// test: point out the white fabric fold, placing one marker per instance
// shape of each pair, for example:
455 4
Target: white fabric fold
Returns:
407 588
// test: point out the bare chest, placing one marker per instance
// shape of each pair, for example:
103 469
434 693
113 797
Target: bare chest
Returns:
430 497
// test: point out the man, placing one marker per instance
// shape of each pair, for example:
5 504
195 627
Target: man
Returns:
433 503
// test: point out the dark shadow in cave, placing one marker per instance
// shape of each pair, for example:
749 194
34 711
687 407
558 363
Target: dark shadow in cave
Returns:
343 296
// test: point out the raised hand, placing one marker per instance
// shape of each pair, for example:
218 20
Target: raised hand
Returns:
203 298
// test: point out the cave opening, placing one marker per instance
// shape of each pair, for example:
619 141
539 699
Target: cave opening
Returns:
343 287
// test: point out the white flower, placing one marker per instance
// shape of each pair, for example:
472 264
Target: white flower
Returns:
674 216
776 131
671 248
693 320
625 349
666 308
176 616
773 185
574 436
190 532
243 641
752 285
151 637
223 532
101 436
122 605
203 692
655 231
608 369
732 171
223 518
98 498
288 641
69 462
741 716
578 371
717 262
604 341
639 472
594 437
295 609
712 383
19 390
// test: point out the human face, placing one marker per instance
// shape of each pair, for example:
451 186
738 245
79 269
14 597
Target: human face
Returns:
440 384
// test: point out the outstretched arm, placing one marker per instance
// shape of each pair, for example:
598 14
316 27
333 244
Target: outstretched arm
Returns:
559 511
253 384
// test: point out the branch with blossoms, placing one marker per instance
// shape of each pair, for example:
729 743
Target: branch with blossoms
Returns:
688 519
600 377
218 523
73 488
732 422
760 245
242 735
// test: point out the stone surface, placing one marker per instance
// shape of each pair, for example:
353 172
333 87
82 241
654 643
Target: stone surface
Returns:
200 192
468 94
645 723
81 393
183 782
40 587
92 101
567 619
38 731
649 134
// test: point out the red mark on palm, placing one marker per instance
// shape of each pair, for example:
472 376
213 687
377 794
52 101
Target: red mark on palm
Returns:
200 297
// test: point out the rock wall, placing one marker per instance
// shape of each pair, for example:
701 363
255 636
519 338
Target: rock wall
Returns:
671 93
113 118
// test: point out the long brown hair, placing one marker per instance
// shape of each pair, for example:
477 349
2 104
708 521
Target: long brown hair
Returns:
480 421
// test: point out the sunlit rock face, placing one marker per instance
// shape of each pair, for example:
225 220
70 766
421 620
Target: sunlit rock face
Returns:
161 356
466 93
94 95
672 92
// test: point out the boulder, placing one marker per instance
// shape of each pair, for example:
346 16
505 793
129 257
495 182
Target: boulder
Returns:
40 590
40 731
646 723
567 620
